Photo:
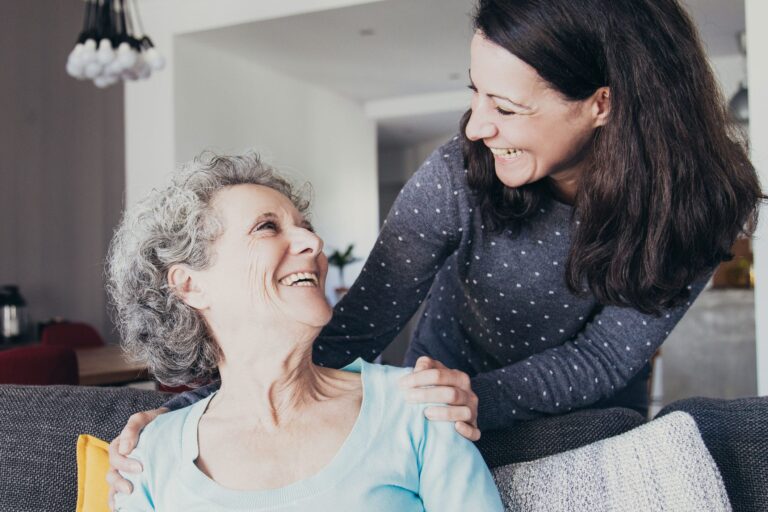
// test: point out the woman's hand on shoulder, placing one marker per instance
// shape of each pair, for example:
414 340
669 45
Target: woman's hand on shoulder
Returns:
121 447
432 382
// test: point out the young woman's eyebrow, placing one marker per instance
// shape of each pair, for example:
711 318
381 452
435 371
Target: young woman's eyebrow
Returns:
503 98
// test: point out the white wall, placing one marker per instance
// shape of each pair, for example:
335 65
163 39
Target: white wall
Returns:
150 138
757 52
229 105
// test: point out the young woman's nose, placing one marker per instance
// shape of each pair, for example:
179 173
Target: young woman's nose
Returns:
480 125
304 241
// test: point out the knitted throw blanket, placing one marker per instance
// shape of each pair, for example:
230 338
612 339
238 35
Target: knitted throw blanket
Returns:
661 466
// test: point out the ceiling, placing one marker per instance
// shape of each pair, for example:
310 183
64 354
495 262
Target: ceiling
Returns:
394 48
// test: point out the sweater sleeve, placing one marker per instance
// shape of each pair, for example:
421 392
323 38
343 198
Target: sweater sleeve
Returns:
594 364
189 397
419 233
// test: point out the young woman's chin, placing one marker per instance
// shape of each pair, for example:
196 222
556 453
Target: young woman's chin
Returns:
515 172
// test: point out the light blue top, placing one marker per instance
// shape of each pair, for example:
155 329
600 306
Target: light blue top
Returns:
394 459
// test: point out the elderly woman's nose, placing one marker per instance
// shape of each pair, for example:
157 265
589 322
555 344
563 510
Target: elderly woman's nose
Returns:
305 241
480 126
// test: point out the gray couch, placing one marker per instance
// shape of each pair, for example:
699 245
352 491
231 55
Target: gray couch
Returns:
39 427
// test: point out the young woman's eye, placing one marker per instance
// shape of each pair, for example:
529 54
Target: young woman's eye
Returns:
504 112
472 88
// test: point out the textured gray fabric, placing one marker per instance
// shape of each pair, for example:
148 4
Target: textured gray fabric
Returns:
530 440
661 466
736 434
39 426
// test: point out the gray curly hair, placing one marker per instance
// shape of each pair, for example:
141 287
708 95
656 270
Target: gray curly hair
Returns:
177 225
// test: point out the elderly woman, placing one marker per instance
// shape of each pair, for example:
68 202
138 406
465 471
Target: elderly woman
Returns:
221 273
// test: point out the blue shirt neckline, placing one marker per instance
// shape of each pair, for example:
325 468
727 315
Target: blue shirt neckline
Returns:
348 456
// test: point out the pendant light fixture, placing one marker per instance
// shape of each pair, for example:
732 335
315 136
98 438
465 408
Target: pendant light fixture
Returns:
112 46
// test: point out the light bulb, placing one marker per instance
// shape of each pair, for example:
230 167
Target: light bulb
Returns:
93 69
129 74
155 59
75 69
75 62
105 54
140 69
89 51
126 55
104 81
144 70
114 68
76 54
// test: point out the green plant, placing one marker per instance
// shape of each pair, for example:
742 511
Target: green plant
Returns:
340 260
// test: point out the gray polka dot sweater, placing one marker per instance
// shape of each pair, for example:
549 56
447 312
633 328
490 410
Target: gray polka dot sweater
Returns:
497 306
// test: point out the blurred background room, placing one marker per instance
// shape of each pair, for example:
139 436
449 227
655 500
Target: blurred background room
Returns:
350 95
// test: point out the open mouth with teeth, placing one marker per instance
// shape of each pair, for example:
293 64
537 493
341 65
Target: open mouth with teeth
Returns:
507 153
301 279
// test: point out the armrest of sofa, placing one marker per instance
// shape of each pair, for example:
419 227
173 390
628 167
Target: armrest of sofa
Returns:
530 440
736 434
663 465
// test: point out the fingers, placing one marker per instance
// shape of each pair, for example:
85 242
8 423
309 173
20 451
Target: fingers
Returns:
438 395
123 445
450 413
136 423
436 377
120 462
117 484
426 362
423 363
471 432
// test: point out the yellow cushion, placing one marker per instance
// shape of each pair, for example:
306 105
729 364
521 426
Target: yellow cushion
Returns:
92 467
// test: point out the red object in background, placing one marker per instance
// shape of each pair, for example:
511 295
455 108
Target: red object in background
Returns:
38 365
71 334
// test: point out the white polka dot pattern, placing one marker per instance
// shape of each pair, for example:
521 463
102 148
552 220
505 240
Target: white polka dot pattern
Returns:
497 306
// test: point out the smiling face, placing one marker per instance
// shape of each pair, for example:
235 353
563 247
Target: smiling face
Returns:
531 129
267 267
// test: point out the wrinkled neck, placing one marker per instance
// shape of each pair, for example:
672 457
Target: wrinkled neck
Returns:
267 389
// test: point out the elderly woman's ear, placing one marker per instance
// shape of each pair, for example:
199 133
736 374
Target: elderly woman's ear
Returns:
185 284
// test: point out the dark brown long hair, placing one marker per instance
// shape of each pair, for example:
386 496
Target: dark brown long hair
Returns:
668 186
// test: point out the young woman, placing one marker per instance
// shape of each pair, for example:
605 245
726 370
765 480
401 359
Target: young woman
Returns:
596 183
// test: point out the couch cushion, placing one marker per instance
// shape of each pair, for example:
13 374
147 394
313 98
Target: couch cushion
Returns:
39 426
661 466
736 433
529 440
92 468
